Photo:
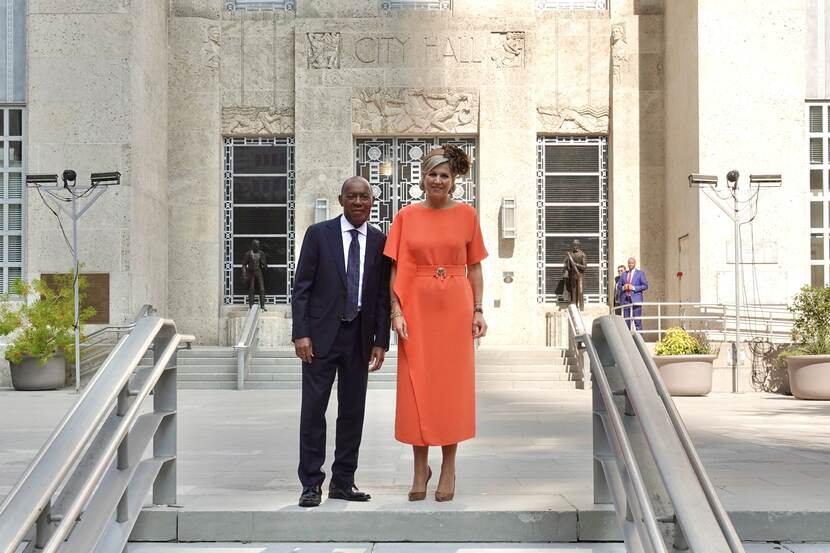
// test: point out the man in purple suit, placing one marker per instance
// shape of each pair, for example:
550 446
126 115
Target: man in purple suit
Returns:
630 288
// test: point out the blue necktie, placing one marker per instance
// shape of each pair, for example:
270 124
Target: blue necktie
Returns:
352 278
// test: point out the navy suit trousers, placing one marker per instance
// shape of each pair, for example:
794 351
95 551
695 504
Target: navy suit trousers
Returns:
345 360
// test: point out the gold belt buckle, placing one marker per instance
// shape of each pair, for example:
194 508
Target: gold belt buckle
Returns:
440 272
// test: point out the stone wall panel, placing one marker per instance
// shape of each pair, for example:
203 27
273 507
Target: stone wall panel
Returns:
69 35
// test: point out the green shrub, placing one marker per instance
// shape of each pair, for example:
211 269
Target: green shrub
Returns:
45 326
679 342
811 322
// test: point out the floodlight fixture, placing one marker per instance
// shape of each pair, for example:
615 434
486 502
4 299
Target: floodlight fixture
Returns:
700 181
112 178
39 180
765 181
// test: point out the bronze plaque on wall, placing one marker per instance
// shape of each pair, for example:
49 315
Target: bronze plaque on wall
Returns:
97 294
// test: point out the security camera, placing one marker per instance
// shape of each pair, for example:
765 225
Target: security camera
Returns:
69 176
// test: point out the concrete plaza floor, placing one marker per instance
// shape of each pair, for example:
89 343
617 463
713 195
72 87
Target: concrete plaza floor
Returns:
438 548
238 452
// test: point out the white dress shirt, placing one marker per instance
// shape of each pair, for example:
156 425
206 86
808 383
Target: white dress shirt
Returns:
345 227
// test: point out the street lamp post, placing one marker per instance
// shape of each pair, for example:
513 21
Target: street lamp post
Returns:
58 195
709 183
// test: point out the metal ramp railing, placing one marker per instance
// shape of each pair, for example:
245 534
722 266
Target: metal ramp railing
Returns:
96 346
644 461
246 345
84 490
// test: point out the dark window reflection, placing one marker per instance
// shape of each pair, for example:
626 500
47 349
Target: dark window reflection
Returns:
260 159
260 220
260 190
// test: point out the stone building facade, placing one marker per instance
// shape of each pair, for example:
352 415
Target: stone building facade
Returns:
232 119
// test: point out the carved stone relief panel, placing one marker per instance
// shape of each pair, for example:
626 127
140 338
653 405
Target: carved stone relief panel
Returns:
568 119
511 49
323 50
619 52
253 121
403 111
211 48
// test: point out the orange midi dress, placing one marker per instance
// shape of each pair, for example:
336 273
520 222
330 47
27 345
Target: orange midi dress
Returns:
436 373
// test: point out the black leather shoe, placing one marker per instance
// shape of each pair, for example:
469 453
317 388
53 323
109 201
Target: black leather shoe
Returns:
349 493
311 496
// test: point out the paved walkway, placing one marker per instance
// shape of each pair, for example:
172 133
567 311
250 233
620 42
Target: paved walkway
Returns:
238 450
437 548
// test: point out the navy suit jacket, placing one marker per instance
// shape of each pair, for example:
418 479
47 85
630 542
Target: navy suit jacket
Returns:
638 280
319 295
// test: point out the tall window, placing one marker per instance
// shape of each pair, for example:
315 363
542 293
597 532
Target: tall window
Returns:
819 133
260 5
433 5
11 196
393 168
259 204
572 200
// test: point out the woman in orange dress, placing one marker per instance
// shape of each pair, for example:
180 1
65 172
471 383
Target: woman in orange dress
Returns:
436 287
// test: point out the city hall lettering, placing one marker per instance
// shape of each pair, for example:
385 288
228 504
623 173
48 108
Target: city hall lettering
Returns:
503 49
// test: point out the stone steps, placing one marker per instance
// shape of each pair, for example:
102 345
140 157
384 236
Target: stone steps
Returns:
475 519
260 366
497 368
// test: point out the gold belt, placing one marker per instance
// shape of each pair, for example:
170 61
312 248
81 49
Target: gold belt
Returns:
441 271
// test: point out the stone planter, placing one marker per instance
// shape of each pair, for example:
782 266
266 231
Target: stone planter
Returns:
686 375
809 376
29 375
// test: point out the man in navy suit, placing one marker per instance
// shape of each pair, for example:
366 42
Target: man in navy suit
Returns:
340 309
630 288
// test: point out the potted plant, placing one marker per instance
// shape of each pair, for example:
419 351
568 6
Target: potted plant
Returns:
808 361
685 363
42 331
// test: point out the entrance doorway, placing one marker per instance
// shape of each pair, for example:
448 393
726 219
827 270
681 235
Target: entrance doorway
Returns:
393 168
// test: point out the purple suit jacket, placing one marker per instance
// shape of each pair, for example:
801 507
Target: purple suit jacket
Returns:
640 285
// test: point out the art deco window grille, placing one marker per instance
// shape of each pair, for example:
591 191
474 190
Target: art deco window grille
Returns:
572 4
259 204
818 117
393 168
260 5
572 203
431 5
12 197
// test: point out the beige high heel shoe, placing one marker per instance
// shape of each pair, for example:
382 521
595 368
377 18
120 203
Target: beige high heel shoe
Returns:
420 496
441 497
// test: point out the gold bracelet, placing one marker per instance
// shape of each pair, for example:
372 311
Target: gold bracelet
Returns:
395 314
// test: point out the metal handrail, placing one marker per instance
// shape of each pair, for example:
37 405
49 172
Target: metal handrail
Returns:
145 311
644 520
102 424
666 458
95 346
246 345
772 322
719 511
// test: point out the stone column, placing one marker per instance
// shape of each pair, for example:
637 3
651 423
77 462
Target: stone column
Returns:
735 92
195 247
636 146
751 118
97 101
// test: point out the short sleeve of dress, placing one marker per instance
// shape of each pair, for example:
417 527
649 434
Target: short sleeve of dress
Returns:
475 247
393 240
